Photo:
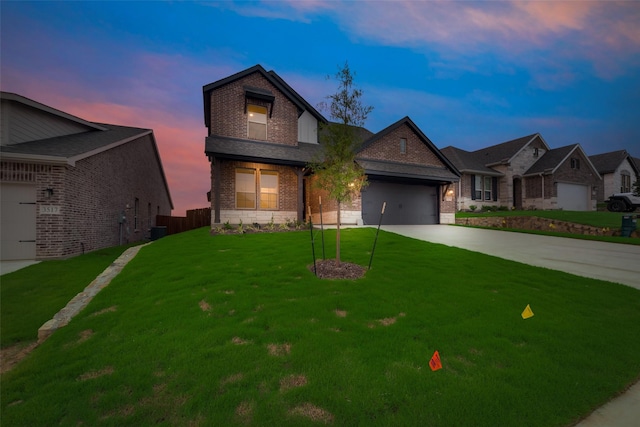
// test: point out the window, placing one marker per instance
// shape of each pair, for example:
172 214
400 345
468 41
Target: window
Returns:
257 122
488 185
484 188
403 146
625 183
575 163
478 188
536 152
268 190
245 189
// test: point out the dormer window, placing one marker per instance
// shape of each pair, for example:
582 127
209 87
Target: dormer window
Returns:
403 146
257 122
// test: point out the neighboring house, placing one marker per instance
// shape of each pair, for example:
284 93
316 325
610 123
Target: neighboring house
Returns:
525 173
70 186
262 135
618 170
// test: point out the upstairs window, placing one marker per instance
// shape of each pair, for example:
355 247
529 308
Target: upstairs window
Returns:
257 122
403 146
536 152
268 190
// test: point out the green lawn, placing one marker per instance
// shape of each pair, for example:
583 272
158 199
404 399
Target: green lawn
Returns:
31 296
236 330
596 219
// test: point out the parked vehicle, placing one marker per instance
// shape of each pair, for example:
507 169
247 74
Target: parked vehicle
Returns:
623 202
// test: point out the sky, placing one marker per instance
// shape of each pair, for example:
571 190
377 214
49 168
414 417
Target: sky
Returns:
469 74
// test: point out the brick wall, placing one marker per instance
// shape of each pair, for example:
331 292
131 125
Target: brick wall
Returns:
287 193
388 148
228 117
91 195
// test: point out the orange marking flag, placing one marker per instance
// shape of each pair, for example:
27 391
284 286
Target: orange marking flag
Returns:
527 313
435 363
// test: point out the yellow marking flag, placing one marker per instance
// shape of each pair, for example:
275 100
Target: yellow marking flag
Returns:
527 313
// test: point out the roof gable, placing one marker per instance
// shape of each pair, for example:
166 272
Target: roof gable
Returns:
368 149
609 162
553 159
271 77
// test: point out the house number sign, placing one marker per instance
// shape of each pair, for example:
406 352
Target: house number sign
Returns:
49 210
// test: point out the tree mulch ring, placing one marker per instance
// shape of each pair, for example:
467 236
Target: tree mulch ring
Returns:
331 269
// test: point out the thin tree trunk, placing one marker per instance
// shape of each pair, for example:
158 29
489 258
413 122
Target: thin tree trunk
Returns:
338 236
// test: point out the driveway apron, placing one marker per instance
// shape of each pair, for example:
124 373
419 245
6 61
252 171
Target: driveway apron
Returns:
613 262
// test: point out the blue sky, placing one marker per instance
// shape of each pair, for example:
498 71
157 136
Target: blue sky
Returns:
469 74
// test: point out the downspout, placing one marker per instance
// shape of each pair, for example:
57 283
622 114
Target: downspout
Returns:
542 177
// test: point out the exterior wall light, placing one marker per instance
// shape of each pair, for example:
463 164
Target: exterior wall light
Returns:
49 192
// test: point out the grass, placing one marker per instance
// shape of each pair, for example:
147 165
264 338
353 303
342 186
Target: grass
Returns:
596 219
235 330
29 297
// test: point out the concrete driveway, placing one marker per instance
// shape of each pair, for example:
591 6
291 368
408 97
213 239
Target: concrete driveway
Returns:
612 262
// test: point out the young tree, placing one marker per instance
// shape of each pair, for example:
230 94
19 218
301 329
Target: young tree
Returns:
636 187
337 171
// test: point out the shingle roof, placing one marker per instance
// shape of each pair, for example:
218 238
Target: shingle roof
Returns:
503 152
76 146
242 149
551 159
403 170
609 162
467 162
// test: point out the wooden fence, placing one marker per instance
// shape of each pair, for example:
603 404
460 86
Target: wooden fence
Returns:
195 218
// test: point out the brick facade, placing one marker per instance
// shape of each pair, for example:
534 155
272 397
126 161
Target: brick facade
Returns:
91 196
229 118
388 148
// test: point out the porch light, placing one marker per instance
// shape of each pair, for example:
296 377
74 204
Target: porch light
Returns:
49 192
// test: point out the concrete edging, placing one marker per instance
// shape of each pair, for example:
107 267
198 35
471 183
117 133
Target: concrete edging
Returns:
81 300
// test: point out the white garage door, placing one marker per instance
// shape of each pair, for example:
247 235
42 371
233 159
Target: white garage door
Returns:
573 197
18 219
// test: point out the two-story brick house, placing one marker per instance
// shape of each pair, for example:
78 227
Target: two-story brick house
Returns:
262 135
70 186
525 173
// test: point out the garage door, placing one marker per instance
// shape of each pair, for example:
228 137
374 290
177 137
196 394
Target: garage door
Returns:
18 219
406 203
573 197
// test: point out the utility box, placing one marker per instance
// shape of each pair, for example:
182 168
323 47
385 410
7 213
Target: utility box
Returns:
629 224
158 232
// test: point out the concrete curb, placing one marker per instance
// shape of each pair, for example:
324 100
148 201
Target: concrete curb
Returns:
80 301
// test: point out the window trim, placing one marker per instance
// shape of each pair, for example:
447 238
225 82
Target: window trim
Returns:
269 172
251 109
246 171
